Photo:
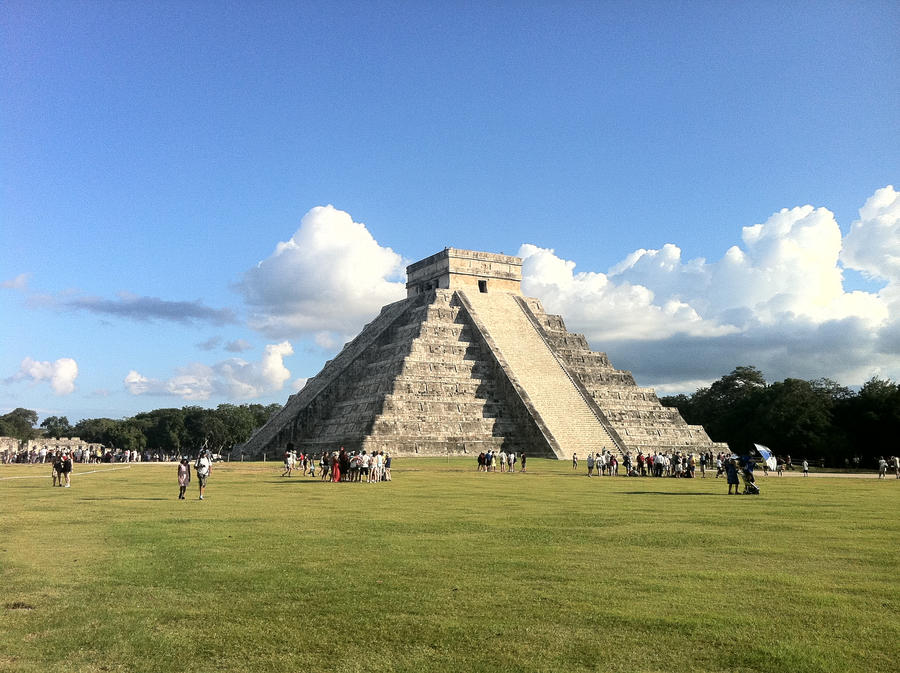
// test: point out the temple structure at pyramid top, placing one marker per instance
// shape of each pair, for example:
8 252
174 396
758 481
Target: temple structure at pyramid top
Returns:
464 364
455 269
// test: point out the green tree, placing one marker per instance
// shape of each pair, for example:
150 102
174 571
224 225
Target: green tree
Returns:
57 426
726 409
128 434
164 429
794 417
96 430
19 424
871 419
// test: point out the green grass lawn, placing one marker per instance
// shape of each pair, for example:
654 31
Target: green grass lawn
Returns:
446 569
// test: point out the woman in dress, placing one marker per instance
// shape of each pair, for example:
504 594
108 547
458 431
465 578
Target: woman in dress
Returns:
184 477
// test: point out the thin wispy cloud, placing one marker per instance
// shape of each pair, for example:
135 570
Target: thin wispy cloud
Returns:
238 346
210 344
133 307
20 282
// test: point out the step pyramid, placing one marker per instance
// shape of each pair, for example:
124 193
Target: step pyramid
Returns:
466 364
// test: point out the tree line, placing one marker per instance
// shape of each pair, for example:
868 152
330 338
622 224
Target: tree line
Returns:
168 430
812 419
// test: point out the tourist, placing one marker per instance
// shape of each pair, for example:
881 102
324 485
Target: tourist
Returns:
184 476
288 460
882 467
66 467
896 461
324 464
379 467
731 475
203 465
805 466
56 469
502 460
387 467
344 460
512 462
523 461
336 467
590 464
574 461
703 465
780 467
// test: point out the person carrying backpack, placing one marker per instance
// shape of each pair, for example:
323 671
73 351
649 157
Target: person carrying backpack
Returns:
203 467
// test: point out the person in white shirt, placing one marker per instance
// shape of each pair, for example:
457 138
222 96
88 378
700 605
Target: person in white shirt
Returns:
204 468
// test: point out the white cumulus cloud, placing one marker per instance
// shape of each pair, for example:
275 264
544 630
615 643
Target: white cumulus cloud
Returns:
776 301
61 373
331 276
233 378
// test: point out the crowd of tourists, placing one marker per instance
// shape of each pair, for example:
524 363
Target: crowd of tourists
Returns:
505 461
339 466
662 464
84 455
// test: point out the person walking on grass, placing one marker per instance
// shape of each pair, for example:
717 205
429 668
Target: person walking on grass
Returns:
184 477
590 464
204 468
805 467
882 468
288 460
574 461
523 461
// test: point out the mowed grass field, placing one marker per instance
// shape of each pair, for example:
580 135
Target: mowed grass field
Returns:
445 569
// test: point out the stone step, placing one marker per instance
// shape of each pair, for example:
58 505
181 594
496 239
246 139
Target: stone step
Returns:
557 400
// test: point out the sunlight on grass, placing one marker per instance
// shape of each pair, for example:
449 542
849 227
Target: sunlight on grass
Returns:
445 569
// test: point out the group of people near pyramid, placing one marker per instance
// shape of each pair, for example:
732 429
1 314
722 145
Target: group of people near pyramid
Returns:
490 461
344 466
660 464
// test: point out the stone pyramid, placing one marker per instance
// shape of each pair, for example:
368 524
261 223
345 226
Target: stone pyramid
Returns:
465 364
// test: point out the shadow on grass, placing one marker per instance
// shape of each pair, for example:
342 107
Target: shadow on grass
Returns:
301 482
668 493
124 498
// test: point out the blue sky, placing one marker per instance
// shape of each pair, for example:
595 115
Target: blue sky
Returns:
153 154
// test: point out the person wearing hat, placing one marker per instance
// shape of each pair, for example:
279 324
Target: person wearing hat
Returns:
203 467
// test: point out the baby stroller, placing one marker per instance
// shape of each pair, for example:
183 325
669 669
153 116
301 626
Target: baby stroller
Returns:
750 487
